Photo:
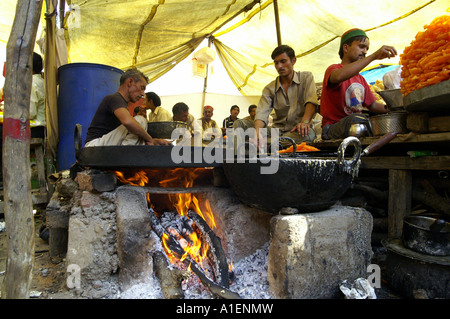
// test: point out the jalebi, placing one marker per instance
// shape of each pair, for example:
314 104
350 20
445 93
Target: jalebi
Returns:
427 60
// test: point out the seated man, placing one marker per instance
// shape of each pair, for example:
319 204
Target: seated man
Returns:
157 113
181 114
345 92
113 124
229 121
248 121
209 127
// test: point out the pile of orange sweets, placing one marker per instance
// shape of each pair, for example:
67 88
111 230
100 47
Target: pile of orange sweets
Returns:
427 60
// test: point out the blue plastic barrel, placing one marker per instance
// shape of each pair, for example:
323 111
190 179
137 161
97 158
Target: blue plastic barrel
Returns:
82 86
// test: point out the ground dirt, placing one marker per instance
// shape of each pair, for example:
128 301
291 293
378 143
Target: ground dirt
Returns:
48 275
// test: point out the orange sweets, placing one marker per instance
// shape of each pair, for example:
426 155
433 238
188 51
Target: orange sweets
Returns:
300 148
427 60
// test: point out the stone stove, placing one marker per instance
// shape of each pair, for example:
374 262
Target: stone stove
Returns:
111 242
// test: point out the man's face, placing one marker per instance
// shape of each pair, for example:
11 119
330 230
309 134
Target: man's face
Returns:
182 117
208 113
357 50
253 113
137 89
149 105
284 65
235 112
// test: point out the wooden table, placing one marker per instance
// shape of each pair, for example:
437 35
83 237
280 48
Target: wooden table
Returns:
400 168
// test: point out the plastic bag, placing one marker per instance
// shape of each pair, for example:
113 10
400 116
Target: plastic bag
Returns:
391 79
359 289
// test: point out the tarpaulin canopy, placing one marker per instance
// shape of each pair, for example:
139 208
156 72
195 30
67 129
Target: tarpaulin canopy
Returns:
155 35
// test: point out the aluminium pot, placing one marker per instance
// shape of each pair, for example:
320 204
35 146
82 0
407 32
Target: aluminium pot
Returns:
389 122
426 235
306 183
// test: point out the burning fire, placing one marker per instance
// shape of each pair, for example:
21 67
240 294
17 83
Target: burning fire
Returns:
192 245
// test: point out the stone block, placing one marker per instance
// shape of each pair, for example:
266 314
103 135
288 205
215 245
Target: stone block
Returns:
310 255
134 240
92 240
96 181
242 229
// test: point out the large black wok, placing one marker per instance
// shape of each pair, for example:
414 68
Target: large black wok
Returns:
306 183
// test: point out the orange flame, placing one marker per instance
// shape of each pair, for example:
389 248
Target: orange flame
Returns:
139 179
182 202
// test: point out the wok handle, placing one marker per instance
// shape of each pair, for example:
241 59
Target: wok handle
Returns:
351 165
294 145
379 144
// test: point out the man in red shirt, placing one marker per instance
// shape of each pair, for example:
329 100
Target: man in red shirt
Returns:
345 92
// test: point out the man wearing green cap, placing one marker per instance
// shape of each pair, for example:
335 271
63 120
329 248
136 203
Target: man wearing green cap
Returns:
345 92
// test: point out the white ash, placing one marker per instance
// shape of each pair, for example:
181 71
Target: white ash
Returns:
251 275
250 280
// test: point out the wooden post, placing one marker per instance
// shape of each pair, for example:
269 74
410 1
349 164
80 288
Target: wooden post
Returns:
399 205
16 151
277 22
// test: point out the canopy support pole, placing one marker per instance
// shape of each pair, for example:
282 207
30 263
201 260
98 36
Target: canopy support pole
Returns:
16 152
205 82
277 21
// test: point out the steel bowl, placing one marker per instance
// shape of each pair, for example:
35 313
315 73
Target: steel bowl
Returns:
393 98
164 129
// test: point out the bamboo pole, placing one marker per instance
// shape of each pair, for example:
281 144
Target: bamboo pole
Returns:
16 151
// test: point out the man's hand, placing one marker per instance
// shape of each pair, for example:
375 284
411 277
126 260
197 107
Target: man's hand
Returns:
385 51
158 141
302 129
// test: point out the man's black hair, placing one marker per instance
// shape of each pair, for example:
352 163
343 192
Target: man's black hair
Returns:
152 96
283 49
179 108
37 63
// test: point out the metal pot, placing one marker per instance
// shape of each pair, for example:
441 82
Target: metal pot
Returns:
390 122
308 184
164 129
426 235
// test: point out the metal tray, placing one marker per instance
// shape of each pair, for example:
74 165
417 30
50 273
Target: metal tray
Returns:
434 98
144 156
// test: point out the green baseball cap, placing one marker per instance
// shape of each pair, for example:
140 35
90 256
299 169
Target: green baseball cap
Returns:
350 34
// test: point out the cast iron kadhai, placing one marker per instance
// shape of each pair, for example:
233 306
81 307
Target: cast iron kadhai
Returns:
306 183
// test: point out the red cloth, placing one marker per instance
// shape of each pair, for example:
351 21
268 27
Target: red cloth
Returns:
339 101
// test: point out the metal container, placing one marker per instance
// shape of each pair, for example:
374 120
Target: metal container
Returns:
390 122
408 271
427 235
164 129
393 98
358 130
307 184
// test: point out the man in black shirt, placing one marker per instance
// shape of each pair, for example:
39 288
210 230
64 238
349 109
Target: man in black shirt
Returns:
113 124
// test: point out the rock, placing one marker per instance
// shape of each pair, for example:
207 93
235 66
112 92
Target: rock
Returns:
311 254
134 240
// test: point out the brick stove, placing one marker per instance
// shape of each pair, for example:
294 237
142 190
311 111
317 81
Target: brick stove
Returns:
112 242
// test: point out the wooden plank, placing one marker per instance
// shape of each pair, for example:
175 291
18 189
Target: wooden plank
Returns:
405 162
399 204
401 138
